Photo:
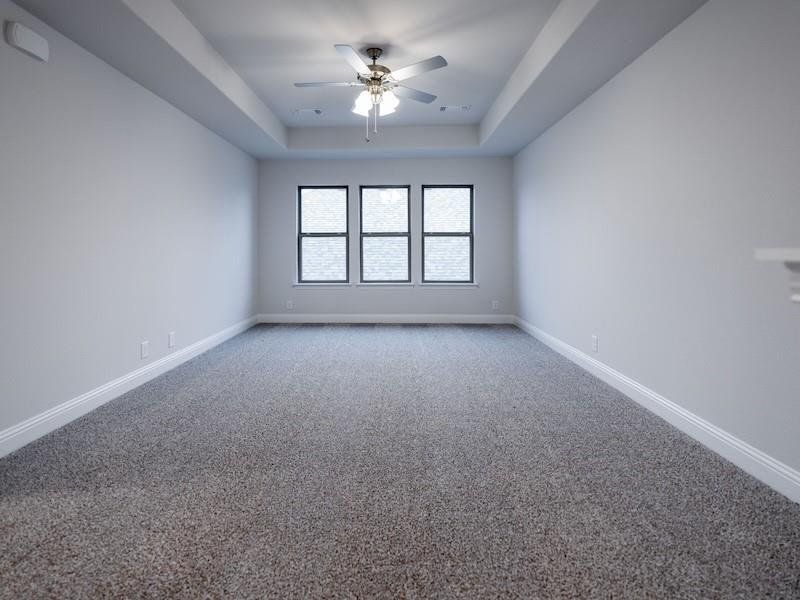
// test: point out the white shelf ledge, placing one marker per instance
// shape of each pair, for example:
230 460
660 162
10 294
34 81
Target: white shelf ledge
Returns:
790 257
784 255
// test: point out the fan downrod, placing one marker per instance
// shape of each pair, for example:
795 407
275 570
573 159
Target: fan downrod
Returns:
374 53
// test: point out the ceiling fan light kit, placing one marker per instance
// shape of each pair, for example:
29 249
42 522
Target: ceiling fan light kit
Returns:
380 85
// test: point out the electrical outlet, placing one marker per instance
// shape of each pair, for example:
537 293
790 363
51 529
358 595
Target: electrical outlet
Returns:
495 304
595 344
290 305
171 339
144 349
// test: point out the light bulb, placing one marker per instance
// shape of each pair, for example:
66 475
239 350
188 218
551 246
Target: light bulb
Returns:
363 104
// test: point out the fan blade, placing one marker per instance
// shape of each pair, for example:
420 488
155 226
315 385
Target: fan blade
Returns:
437 62
352 58
328 84
412 94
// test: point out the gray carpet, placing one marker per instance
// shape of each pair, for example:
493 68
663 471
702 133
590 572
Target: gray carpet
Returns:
385 461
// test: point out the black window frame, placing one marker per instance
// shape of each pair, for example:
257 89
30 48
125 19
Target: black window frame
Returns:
406 234
470 234
301 235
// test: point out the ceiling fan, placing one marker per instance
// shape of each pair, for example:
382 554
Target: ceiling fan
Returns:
381 86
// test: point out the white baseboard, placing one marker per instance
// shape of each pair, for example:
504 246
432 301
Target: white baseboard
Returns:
769 470
777 475
23 433
489 319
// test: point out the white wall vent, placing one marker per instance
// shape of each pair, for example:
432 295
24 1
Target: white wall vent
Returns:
27 40
305 113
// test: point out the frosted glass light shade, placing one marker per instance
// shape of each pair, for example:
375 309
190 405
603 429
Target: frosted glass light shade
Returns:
389 103
363 104
390 100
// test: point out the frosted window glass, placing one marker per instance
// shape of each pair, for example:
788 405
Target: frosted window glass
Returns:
323 259
384 210
447 210
385 258
447 258
323 210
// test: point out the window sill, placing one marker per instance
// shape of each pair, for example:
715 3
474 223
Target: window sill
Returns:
449 285
403 284
322 285
386 284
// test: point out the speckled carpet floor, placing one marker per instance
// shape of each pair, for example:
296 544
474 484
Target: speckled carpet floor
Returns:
385 461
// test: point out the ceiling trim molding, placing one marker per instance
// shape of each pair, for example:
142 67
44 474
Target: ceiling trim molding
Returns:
166 20
582 46
565 20
155 45
398 139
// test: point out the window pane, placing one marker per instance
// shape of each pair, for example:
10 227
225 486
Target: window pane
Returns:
447 258
323 210
447 210
323 259
385 258
384 210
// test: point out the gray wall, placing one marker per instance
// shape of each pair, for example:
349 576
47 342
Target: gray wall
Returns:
120 219
493 235
638 213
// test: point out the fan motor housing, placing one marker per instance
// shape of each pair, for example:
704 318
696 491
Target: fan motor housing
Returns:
377 72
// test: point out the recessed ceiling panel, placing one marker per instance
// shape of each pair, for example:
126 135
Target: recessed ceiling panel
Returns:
274 43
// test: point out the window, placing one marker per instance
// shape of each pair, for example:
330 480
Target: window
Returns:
322 242
447 228
385 239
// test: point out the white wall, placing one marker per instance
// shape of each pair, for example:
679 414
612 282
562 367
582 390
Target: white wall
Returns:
120 219
638 213
493 236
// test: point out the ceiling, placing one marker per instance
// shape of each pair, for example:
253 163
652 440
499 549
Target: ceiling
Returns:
274 43
521 64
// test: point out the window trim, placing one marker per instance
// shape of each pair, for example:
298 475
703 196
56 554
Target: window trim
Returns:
301 235
470 234
362 234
